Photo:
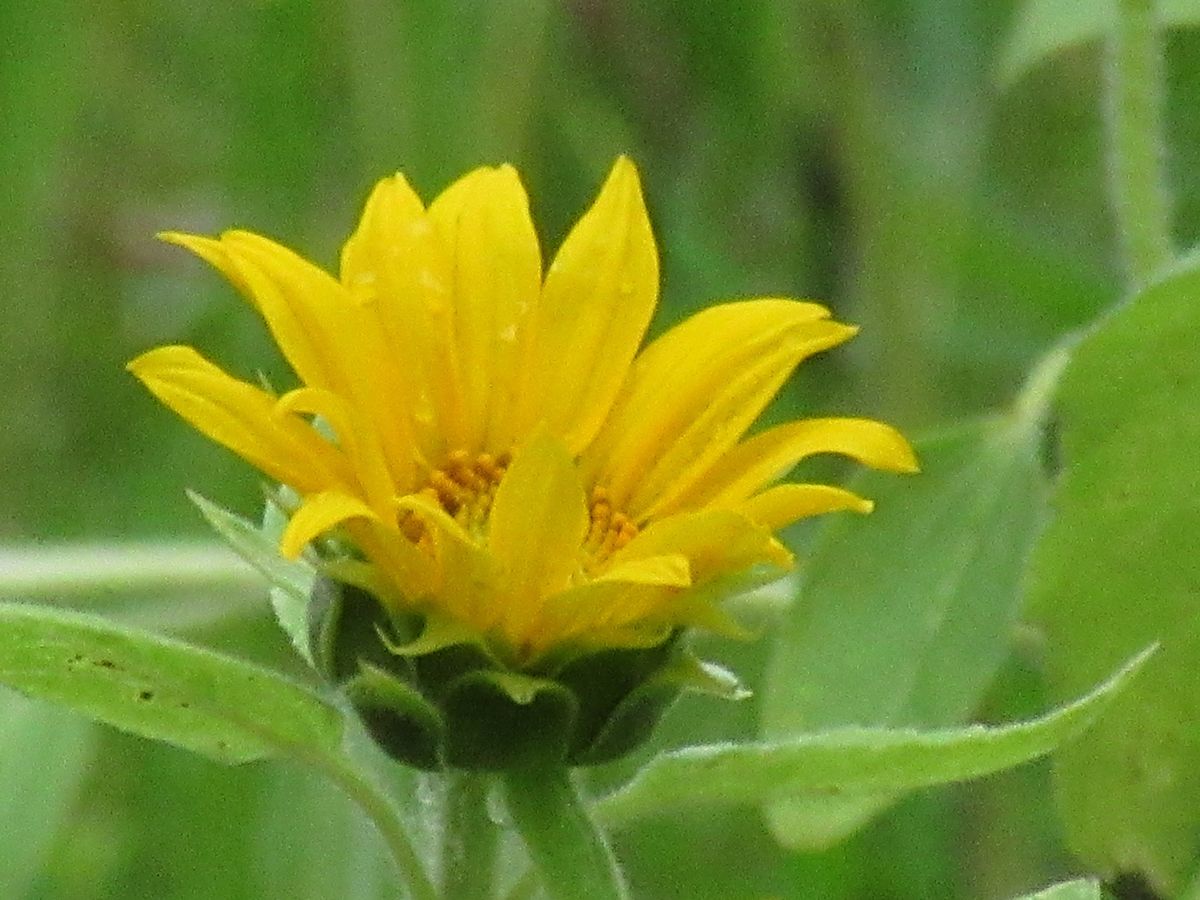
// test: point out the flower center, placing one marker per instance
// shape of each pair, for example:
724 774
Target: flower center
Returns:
465 487
610 529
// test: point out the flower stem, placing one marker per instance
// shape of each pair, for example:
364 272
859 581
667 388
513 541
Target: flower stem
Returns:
469 839
567 848
1135 138
383 815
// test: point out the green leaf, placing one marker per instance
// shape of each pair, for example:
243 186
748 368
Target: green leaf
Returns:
1080 889
851 760
1118 568
43 756
1045 27
291 582
906 614
217 706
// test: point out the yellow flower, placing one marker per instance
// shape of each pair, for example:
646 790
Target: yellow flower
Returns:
492 443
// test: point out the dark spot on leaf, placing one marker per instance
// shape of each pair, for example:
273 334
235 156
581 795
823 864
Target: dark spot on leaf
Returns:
105 664
77 658
146 695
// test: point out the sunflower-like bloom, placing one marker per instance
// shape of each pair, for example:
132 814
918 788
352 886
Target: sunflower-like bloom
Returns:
487 438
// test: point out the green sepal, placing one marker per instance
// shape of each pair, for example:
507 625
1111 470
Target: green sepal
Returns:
401 721
357 573
437 633
435 695
631 722
436 672
344 623
502 720
257 546
521 689
603 681
708 606
290 581
690 673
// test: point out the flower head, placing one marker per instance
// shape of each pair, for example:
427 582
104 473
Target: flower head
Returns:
484 445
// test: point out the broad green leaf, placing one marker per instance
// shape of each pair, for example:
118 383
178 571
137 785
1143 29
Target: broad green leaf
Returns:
905 615
215 705
1080 889
291 582
1118 568
43 755
1044 27
850 760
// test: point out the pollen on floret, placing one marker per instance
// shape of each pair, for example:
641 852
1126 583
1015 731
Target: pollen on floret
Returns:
464 486
609 530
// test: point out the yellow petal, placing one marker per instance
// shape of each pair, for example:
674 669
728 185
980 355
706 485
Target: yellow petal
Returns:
468 586
590 613
317 515
357 439
771 454
332 342
786 503
300 303
412 572
382 243
714 541
538 522
624 596
599 295
400 273
632 637
604 615
381 265
215 254
670 570
242 418
496 270
694 392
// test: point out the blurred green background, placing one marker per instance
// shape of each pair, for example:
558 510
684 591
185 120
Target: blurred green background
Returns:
861 153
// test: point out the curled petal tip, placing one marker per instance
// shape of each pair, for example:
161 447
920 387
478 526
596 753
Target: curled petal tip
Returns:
179 238
207 248
157 357
897 454
780 555
906 463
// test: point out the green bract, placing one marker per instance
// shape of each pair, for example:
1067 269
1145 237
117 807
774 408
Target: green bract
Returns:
436 704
